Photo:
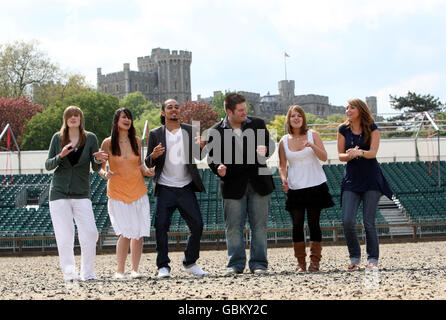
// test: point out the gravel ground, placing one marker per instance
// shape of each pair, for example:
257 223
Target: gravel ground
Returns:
407 271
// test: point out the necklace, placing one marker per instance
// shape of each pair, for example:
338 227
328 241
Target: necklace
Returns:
358 142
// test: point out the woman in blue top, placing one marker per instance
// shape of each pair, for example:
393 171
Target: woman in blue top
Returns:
358 143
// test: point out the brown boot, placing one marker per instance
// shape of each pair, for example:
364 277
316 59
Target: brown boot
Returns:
315 256
299 253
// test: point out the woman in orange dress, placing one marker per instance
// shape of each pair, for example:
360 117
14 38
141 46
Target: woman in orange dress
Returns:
128 203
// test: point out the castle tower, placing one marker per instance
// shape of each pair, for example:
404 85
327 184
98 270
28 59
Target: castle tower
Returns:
173 71
98 78
372 104
286 89
126 78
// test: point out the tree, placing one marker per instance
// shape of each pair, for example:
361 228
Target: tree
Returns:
136 102
277 124
50 93
17 112
197 111
98 112
39 130
415 103
22 65
153 115
218 104
98 109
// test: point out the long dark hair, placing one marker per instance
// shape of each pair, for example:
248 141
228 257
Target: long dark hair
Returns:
116 151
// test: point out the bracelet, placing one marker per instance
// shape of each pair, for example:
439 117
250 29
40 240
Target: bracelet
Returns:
97 161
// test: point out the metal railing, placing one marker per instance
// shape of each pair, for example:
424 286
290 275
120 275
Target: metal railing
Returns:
215 240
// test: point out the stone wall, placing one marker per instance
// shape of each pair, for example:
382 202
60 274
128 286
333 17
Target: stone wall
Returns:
160 76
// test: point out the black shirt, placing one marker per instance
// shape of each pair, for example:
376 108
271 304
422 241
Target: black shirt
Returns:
74 156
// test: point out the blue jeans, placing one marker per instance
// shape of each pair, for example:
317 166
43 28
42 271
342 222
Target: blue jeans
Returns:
167 200
256 207
350 205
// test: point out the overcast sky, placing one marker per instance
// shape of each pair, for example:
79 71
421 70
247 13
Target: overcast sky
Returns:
340 49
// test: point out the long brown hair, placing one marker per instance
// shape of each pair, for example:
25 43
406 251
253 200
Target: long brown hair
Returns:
64 136
365 117
300 110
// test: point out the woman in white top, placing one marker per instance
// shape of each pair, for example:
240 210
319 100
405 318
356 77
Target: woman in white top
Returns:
304 182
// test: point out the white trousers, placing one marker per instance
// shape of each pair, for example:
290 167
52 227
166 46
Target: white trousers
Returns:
63 211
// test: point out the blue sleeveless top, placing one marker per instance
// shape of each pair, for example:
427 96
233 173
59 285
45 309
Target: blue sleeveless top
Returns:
361 174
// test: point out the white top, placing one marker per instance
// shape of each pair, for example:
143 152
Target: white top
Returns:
175 172
304 168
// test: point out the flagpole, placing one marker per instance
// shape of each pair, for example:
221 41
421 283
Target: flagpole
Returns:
284 58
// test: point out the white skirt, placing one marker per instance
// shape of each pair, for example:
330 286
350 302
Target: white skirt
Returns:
131 220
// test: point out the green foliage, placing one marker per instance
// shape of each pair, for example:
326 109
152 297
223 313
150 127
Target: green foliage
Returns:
415 103
98 109
441 116
336 118
278 125
22 65
41 127
54 92
327 129
136 102
218 104
98 112
153 115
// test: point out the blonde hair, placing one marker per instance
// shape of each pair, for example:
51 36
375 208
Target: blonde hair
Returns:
300 110
64 136
365 117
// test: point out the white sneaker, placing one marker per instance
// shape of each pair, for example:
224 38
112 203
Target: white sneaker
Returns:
163 273
195 270
259 271
120 276
72 277
232 271
89 278
136 275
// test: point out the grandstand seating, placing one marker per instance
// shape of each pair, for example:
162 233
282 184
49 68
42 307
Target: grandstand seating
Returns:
416 187
417 191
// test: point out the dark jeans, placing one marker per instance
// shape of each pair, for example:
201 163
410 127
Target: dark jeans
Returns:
183 199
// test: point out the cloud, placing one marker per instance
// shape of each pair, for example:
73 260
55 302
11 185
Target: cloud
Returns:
239 44
427 83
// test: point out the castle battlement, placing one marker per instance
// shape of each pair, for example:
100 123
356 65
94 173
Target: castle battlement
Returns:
160 76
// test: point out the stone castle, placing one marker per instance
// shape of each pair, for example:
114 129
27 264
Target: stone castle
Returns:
160 76
270 105
165 74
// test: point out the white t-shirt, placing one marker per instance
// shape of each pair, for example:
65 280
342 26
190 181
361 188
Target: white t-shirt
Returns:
175 172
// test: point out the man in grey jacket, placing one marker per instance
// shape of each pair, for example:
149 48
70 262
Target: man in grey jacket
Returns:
171 150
